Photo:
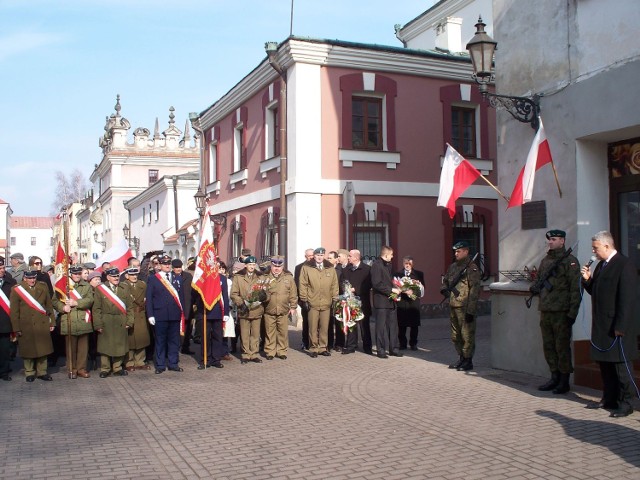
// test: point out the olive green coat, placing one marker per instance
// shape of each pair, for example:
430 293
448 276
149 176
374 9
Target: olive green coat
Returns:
318 287
241 290
468 286
283 295
78 314
113 341
35 341
139 334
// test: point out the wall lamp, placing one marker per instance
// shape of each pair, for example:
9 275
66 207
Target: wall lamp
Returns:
133 241
481 48
103 243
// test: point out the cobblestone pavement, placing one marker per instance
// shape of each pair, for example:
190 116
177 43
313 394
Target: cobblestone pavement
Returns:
341 417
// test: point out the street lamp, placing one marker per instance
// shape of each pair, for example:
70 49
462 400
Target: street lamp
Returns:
200 199
133 242
103 243
481 48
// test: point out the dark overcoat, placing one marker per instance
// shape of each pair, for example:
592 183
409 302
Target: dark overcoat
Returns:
409 310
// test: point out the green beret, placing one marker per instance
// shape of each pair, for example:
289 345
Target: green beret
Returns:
319 251
250 259
556 233
460 244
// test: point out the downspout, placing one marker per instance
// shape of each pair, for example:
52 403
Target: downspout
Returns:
175 201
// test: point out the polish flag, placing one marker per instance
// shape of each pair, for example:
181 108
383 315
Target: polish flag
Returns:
456 176
206 280
61 266
117 256
539 156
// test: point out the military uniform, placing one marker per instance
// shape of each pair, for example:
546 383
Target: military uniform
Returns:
6 284
80 321
283 297
113 339
463 307
139 337
33 328
558 305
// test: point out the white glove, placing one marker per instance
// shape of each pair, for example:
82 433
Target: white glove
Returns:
226 318
152 320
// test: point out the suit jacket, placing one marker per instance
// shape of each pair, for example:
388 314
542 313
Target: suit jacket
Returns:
160 303
613 296
409 310
360 280
382 284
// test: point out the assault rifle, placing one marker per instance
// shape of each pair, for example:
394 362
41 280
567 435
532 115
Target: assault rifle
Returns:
447 291
543 281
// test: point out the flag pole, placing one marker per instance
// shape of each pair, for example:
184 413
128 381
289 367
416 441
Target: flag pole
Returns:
555 174
495 188
65 266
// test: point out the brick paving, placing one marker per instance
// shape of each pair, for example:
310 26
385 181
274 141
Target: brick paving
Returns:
342 417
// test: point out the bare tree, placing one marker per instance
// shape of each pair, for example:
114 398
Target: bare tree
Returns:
69 189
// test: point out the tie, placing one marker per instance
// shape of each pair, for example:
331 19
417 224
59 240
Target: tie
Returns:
319 266
604 264
168 278
407 273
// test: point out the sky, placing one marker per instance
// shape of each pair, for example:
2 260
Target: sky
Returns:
62 62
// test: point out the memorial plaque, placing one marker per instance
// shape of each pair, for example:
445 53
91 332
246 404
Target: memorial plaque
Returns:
534 215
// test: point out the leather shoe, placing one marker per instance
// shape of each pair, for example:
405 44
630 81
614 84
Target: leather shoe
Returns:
130 369
282 357
337 349
368 351
256 360
414 347
6 378
201 367
217 365
104 374
396 354
326 353
159 371
244 361
382 355
269 357
144 367
83 374
121 373
621 412
31 378
227 357
594 405
313 354
176 369
347 351
46 377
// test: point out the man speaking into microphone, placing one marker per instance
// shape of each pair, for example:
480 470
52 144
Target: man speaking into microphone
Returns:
559 288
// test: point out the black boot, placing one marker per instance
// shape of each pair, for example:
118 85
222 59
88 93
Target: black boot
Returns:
458 363
551 384
466 365
563 384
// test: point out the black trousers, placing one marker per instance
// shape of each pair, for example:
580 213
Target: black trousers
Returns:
213 341
364 326
5 354
305 328
616 392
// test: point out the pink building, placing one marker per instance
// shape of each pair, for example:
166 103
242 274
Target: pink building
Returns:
374 118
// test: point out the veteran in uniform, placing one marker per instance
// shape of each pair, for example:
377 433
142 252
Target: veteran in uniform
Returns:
283 302
76 322
112 318
6 284
461 284
249 317
139 338
33 319
559 304
318 290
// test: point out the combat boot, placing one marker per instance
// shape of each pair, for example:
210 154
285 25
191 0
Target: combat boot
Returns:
466 365
458 363
563 384
551 384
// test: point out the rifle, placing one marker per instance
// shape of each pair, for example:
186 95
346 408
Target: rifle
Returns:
446 292
543 281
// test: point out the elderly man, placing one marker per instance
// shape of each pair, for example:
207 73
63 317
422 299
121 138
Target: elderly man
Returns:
318 290
282 303
75 321
32 320
358 274
18 267
6 284
139 338
408 307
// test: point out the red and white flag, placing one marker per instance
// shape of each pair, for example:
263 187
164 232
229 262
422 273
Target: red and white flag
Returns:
539 156
456 176
117 255
206 279
61 266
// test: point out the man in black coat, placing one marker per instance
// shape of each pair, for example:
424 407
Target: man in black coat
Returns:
384 306
358 274
6 283
409 308
613 324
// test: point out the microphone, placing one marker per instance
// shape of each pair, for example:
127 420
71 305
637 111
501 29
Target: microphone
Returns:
591 260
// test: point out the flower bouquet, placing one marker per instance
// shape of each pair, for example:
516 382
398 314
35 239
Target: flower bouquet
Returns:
257 294
348 309
410 287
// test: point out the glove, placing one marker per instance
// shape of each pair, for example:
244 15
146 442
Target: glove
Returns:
262 296
468 318
535 289
243 310
225 318
306 305
444 292
152 320
571 319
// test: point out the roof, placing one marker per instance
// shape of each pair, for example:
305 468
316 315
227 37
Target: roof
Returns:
32 222
3 202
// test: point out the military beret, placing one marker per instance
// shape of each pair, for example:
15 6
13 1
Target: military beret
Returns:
277 260
556 233
165 260
250 259
75 270
89 265
319 250
31 274
132 271
112 272
17 256
176 263
460 244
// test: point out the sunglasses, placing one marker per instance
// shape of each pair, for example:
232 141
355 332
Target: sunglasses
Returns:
37 263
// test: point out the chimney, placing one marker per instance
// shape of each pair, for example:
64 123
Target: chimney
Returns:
449 35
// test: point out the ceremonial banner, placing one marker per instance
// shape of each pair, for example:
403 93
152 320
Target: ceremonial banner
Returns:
206 279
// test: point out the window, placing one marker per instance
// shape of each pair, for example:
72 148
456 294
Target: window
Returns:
269 234
272 129
213 162
13 241
372 225
239 152
237 237
33 241
149 214
153 176
144 215
157 210
366 123
463 130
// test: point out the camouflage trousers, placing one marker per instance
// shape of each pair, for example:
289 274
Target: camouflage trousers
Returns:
463 334
556 341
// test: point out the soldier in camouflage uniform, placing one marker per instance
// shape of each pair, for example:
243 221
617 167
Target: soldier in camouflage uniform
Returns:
558 306
463 299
